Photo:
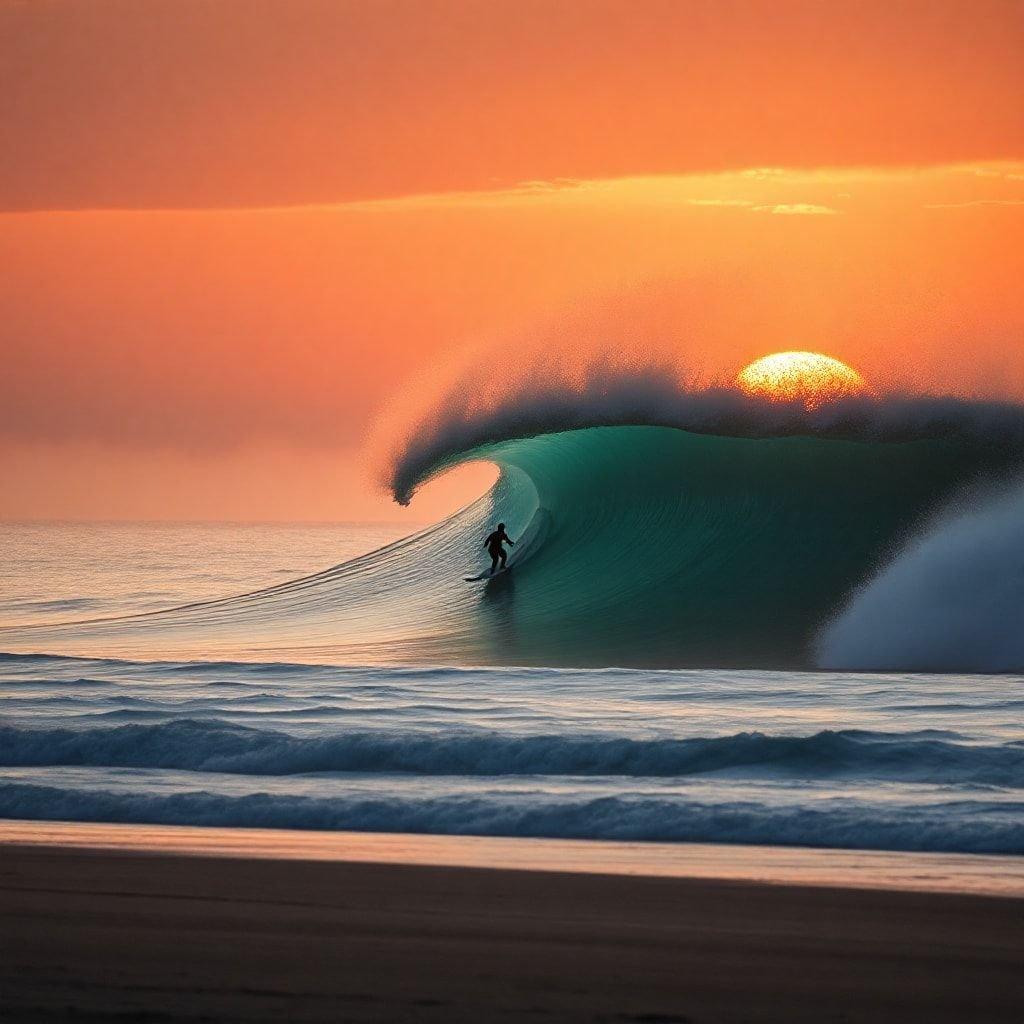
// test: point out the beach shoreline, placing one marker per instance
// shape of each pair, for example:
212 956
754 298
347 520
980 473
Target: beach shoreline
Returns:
964 873
100 933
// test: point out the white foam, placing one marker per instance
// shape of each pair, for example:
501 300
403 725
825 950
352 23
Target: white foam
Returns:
611 395
951 600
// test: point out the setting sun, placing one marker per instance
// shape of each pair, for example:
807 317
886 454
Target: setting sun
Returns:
808 377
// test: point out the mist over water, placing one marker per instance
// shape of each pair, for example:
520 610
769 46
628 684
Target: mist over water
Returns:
951 600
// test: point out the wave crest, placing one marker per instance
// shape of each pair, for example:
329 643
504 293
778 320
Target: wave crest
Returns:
969 826
464 423
215 746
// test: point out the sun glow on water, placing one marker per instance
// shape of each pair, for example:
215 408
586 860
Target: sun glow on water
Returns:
807 377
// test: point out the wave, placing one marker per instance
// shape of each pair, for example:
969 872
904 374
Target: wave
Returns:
215 746
970 826
953 599
667 527
611 398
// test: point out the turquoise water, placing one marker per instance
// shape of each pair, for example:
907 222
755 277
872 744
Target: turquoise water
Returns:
667 548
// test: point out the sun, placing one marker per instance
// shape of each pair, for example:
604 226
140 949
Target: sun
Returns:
807 377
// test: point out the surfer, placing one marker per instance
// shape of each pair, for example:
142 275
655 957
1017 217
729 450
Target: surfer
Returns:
494 548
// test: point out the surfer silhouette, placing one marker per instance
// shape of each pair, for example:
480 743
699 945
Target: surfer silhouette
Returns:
494 546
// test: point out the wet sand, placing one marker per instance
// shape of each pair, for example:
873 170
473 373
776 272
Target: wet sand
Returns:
90 935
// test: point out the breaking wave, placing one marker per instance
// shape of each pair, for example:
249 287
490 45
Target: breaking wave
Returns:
660 527
928 756
968 826
952 600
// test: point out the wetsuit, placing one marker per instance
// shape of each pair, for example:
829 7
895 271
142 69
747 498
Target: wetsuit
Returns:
495 550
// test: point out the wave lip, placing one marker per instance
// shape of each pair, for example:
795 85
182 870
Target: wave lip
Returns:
215 746
653 397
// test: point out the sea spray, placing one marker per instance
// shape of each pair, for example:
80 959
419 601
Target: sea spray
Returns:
952 600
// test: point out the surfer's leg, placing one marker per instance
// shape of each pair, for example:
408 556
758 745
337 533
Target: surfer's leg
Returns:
503 555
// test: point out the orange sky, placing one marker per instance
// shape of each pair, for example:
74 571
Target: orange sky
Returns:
195 361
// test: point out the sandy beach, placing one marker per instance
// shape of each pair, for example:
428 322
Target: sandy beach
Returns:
95 934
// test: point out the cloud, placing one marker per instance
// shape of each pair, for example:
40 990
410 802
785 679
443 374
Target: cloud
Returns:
719 202
764 173
974 202
543 186
250 104
798 209
988 172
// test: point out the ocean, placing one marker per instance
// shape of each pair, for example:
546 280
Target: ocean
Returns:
882 536
254 729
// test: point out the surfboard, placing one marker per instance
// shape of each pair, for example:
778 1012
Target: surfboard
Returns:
488 575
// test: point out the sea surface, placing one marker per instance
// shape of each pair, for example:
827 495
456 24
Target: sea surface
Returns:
890 761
